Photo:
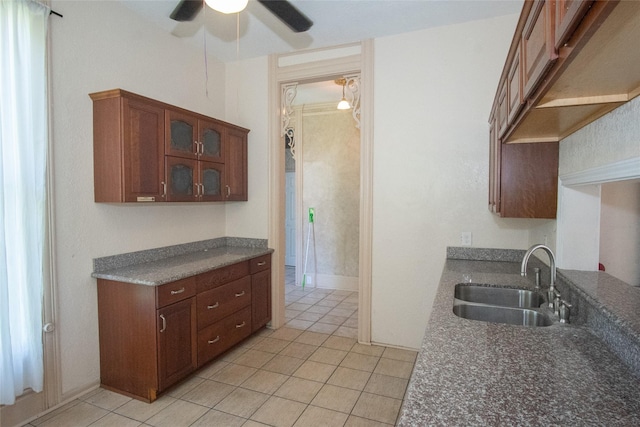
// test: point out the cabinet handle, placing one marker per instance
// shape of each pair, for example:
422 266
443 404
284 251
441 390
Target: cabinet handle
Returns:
261 263
240 294
241 325
164 323
164 189
202 192
179 291
197 144
215 340
209 307
228 190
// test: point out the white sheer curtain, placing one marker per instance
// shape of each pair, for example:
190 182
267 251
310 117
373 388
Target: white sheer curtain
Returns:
23 153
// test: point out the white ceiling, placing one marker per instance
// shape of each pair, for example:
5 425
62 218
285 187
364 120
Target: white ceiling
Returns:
335 22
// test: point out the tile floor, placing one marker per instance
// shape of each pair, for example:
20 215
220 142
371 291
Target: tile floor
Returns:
311 372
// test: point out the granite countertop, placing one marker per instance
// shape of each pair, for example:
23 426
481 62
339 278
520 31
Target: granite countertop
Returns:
478 373
159 266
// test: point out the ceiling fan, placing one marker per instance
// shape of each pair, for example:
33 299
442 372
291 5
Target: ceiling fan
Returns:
282 9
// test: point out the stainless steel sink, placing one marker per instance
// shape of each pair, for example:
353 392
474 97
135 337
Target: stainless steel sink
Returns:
504 297
495 314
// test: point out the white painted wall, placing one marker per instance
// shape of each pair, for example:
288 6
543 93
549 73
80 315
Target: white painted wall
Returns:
101 45
433 95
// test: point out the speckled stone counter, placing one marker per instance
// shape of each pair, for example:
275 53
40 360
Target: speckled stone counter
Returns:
478 373
163 265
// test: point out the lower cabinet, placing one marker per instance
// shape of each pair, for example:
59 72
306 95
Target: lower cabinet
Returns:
151 337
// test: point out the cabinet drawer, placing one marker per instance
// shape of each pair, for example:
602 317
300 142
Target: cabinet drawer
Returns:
217 303
175 291
222 335
259 264
212 279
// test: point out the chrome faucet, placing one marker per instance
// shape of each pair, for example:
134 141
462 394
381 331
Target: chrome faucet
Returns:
552 266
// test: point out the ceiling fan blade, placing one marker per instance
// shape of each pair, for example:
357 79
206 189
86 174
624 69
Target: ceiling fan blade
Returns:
186 10
288 14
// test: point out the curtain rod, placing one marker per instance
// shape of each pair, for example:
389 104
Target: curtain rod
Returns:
53 12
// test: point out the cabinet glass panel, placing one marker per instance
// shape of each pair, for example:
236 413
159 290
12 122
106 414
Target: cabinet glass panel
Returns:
181 180
211 143
182 136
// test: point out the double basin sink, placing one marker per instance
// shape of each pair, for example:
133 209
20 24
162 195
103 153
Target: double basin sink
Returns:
500 305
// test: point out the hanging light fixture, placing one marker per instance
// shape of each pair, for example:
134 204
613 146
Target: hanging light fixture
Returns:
227 6
343 104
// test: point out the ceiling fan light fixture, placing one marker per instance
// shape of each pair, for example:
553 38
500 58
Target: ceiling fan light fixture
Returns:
227 6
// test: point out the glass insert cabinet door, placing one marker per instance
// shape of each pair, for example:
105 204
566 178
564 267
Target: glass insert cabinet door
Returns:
181 174
211 142
181 135
211 176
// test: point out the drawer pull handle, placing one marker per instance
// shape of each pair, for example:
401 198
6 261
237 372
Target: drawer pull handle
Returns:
240 294
215 340
164 323
261 263
179 291
241 325
209 307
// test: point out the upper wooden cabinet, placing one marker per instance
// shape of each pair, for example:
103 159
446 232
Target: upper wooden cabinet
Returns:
148 151
578 61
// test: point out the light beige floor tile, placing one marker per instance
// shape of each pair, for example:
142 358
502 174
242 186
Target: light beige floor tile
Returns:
359 361
286 365
335 297
217 418
344 331
279 412
349 378
298 306
327 303
332 319
285 333
265 332
251 341
336 398
346 305
251 423
328 355
106 399
310 299
271 345
387 386
59 410
312 338
114 420
319 309
142 411
394 368
212 368
209 393
299 350
232 354
351 322
378 408
311 317
242 402
400 354
298 324
369 350
234 374
342 312
291 314
253 358
314 371
81 414
185 386
343 293
339 343
264 381
179 413
314 416
354 421
323 328
299 389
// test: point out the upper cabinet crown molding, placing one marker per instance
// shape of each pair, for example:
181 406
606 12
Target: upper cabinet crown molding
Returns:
577 61
148 151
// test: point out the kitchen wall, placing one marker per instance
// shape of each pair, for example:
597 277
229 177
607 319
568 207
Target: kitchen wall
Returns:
102 45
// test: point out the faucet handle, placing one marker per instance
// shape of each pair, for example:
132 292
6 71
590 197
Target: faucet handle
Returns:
564 311
552 296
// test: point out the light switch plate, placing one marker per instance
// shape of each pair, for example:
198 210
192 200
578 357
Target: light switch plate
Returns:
466 238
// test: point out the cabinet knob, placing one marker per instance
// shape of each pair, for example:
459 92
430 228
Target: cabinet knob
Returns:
228 190
176 292
239 294
241 325
215 340
210 307
261 263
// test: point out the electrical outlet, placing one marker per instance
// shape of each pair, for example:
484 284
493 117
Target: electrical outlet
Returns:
466 238
309 280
